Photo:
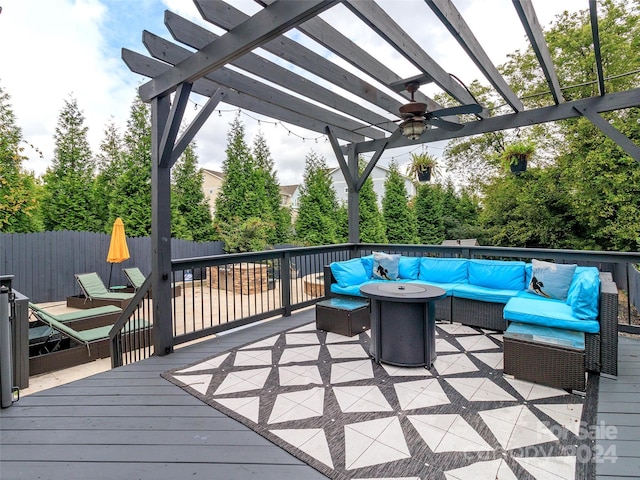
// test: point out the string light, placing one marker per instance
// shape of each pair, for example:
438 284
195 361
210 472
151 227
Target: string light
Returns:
261 121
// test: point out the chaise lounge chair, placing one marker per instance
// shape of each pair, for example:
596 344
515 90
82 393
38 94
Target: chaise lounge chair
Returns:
70 347
136 278
95 294
83 319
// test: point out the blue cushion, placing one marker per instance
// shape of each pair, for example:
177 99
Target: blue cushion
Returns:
409 267
498 274
443 270
350 272
367 262
549 313
448 287
484 294
547 335
550 280
351 290
584 292
385 266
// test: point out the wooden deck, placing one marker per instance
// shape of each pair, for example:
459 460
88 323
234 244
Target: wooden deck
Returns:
619 414
131 423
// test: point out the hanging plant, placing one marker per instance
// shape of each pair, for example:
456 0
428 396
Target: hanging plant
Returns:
516 156
422 166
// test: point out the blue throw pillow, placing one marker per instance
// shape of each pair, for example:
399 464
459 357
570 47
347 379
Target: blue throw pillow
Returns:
499 274
350 272
583 296
551 280
408 267
385 266
367 262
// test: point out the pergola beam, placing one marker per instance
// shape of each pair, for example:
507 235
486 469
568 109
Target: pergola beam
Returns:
225 16
553 113
149 67
172 127
595 32
451 18
376 18
257 30
327 36
610 131
195 36
173 54
532 27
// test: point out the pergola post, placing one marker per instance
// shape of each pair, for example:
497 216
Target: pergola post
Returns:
353 197
160 229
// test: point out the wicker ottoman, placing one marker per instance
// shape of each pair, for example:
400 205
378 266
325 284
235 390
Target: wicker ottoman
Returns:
344 316
544 355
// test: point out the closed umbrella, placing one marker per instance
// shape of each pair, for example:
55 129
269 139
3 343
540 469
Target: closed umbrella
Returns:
118 250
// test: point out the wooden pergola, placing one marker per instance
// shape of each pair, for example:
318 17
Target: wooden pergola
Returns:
176 71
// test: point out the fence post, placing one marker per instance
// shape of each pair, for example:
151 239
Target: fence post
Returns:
285 283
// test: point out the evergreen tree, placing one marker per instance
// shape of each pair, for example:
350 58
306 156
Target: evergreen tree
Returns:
132 193
278 215
372 228
191 206
428 210
109 160
317 220
399 220
68 201
18 190
243 213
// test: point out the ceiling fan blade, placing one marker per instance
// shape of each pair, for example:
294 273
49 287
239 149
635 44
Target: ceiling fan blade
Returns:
439 122
459 110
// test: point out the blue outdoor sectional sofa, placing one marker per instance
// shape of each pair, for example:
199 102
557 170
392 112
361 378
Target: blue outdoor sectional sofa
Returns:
492 293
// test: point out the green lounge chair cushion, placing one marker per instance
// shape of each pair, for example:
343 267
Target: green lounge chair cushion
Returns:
135 276
80 314
93 287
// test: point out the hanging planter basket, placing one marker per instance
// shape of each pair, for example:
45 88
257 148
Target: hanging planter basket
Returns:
424 175
520 166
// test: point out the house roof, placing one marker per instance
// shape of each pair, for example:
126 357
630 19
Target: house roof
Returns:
288 190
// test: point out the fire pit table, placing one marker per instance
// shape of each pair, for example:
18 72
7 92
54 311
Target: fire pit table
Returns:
403 323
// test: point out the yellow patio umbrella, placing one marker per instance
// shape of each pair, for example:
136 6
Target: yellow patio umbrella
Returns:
118 250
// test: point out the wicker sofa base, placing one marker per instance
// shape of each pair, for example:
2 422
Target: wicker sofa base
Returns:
544 364
478 314
443 309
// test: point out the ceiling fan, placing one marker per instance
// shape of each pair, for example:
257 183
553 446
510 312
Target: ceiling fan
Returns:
415 117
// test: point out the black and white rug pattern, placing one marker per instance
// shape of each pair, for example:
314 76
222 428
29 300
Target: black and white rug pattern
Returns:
319 396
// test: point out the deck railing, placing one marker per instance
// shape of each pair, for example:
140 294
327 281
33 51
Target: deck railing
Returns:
217 293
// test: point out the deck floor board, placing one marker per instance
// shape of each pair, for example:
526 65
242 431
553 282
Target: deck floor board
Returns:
130 423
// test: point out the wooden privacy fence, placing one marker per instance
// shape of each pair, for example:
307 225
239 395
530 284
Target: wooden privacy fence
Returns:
44 263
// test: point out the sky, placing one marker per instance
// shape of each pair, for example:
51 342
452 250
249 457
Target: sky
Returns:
55 50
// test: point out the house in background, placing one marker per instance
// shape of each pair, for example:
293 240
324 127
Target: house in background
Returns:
378 175
211 183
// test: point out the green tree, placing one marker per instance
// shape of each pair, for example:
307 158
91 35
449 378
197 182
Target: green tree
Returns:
399 220
280 216
132 192
317 220
372 228
428 211
530 210
68 200
243 206
18 190
190 204
109 162
596 180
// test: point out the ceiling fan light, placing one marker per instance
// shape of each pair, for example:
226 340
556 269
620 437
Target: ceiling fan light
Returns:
413 127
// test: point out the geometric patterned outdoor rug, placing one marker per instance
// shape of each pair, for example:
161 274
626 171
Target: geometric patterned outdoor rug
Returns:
320 397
